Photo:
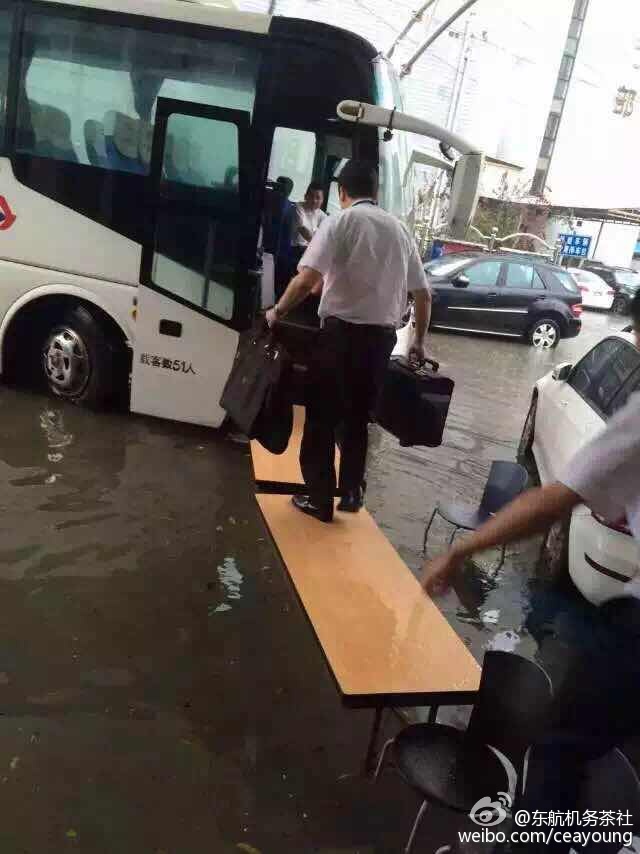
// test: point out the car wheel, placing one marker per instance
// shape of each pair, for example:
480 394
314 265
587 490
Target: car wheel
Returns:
525 455
544 334
80 361
620 305
554 556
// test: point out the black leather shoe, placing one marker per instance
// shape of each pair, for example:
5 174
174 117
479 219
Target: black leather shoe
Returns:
352 501
306 505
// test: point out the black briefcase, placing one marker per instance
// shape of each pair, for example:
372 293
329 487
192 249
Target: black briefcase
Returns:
414 402
256 395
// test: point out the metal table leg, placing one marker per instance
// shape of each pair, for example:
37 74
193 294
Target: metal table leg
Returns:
433 714
372 750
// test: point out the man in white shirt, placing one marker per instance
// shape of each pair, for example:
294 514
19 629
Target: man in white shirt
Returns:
369 264
309 216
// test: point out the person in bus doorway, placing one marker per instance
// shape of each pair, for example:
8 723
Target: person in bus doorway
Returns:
369 263
278 231
307 219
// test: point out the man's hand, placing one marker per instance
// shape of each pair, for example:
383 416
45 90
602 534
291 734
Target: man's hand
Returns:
437 574
271 317
417 353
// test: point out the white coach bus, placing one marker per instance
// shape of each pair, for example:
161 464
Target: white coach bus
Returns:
137 138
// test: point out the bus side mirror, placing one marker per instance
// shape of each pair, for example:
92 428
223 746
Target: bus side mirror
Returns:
562 372
465 190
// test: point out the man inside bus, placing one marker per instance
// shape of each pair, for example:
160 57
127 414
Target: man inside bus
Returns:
368 263
308 218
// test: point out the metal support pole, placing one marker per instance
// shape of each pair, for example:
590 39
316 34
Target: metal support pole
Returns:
408 66
414 19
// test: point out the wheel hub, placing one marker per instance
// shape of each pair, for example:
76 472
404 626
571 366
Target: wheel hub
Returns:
545 336
66 362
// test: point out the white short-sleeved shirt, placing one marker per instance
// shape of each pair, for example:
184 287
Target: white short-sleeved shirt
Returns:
311 220
369 263
606 472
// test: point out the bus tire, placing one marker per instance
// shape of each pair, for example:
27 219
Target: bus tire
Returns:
80 360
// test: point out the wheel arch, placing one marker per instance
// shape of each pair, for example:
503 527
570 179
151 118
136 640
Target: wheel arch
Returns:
39 301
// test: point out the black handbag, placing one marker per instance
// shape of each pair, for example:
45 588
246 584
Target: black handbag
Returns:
414 402
256 395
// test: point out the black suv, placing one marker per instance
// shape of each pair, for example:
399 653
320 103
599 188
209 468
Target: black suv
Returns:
624 281
507 294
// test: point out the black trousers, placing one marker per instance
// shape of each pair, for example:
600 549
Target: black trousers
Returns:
347 371
595 709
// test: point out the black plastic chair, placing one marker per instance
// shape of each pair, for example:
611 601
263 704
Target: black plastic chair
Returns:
506 481
455 768
606 783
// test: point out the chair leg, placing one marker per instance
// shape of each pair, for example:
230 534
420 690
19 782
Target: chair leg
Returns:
502 558
426 531
453 536
416 825
383 754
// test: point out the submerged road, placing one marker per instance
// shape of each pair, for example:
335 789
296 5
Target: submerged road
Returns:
160 689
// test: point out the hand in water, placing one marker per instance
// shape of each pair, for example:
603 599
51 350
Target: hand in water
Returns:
437 574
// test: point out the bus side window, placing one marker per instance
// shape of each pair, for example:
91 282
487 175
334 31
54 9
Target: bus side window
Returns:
89 90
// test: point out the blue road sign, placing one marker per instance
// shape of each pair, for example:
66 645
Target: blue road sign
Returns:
575 245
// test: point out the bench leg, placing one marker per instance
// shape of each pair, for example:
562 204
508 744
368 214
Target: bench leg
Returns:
370 761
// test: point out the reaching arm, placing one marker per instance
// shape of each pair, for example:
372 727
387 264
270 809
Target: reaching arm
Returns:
297 291
531 513
302 230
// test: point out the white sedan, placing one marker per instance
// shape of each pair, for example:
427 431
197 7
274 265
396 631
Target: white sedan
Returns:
596 293
568 408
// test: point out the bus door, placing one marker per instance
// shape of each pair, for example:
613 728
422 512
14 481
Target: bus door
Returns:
196 286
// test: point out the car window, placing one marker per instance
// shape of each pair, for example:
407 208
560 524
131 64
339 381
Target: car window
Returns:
566 280
483 274
444 266
628 360
625 278
538 284
600 374
519 276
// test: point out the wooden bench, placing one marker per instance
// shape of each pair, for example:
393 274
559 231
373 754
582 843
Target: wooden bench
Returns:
385 642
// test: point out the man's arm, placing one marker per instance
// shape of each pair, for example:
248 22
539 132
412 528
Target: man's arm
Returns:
422 304
418 287
305 233
531 513
297 291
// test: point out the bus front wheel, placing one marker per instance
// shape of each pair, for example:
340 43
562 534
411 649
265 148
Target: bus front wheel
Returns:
80 360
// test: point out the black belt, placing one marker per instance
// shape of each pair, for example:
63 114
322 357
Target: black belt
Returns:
386 326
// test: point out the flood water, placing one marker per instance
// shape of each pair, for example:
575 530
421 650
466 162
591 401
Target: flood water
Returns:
514 609
160 689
